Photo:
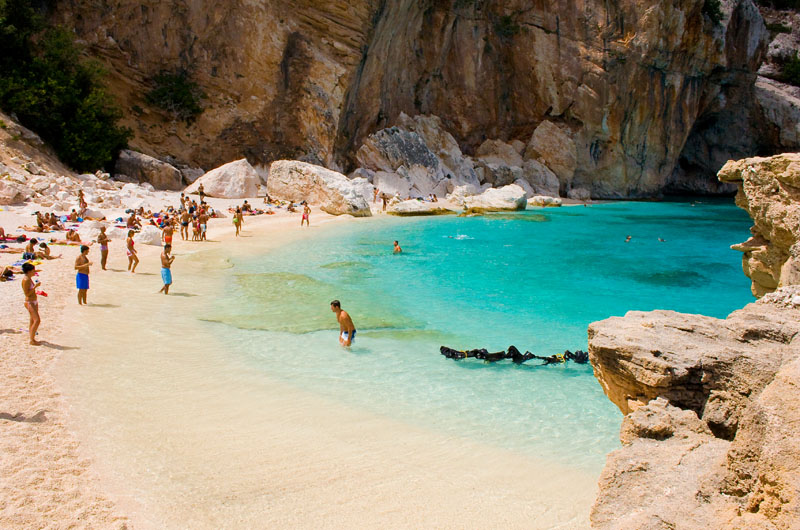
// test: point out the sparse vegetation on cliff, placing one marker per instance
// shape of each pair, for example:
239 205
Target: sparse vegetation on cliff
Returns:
790 71
53 91
175 92
713 10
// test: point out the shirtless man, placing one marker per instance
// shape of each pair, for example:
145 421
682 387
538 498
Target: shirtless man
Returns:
102 240
347 330
82 264
306 215
73 236
203 220
202 192
397 249
132 222
185 219
167 231
166 272
30 249
31 303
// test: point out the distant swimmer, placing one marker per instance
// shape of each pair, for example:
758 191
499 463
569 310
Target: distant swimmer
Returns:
347 330
628 239
397 249
661 240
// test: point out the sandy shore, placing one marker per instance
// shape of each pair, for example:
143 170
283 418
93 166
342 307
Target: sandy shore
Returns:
320 464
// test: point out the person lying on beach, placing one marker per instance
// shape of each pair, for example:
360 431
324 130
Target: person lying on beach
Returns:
133 222
73 236
2 233
133 259
347 330
9 272
31 301
44 252
53 222
290 208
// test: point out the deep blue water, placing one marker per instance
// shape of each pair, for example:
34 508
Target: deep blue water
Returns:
534 279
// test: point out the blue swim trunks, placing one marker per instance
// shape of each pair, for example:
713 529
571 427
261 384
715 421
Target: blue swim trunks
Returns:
82 281
345 334
166 275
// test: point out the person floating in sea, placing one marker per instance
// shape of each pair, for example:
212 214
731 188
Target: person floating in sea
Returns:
628 239
397 249
102 240
347 330
661 240
166 271
31 301
133 259
82 265
306 215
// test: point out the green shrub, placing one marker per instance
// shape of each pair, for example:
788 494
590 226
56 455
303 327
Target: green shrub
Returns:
713 10
55 93
779 28
175 92
790 71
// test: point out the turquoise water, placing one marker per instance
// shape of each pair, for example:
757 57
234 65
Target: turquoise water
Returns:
534 279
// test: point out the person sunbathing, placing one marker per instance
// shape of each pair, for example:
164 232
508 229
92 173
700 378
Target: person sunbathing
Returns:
73 216
133 222
2 233
73 236
44 252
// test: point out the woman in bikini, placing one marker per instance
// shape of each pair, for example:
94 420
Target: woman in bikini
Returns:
237 220
133 259
31 302
102 239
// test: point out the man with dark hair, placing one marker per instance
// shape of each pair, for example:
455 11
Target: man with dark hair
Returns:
31 302
82 264
347 330
397 249
166 272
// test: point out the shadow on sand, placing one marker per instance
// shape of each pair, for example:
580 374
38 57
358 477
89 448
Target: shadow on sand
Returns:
39 417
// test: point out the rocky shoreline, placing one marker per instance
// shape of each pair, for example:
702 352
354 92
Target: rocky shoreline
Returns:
712 405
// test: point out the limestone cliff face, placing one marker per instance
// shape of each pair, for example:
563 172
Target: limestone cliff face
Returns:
633 83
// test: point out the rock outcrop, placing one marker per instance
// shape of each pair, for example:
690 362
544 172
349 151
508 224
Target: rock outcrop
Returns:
632 85
234 180
507 198
768 191
416 208
333 192
144 168
712 405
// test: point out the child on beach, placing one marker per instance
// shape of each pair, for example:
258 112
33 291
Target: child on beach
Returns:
31 302
133 259
82 265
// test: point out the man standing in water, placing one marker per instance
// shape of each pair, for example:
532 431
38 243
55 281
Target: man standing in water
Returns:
31 303
347 330
397 249
166 272
102 239
82 264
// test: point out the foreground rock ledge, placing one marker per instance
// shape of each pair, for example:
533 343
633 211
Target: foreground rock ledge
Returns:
711 438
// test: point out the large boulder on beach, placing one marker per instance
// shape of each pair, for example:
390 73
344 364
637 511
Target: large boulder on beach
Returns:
507 198
416 208
296 181
13 193
234 180
144 168
148 235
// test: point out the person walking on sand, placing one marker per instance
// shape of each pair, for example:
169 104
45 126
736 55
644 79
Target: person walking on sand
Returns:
306 215
238 219
102 240
133 259
347 330
82 265
166 271
397 249
31 302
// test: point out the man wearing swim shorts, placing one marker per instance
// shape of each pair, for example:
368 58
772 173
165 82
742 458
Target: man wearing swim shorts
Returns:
166 232
31 302
203 220
347 330
82 264
166 271
185 218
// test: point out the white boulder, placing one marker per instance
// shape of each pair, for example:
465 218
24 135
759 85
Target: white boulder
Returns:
461 192
416 207
507 198
336 194
148 235
544 201
234 180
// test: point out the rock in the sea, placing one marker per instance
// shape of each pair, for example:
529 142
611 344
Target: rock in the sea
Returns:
416 208
148 235
332 191
144 168
507 198
579 194
767 191
234 180
544 201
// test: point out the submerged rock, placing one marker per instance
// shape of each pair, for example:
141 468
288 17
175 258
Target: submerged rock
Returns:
332 191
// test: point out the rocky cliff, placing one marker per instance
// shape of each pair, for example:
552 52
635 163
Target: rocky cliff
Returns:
710 437
649 95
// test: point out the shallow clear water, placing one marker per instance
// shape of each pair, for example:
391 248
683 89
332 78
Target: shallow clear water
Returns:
534 279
